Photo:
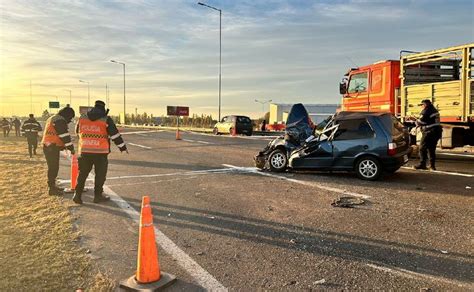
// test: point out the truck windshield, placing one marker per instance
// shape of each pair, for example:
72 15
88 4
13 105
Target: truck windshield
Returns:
358 83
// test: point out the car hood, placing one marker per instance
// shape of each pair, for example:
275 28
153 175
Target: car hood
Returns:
298 128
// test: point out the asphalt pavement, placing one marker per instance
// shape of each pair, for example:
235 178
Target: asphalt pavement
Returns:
225 225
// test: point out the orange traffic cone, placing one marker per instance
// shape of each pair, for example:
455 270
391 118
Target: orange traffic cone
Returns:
74 173
178 135
234 132
148 276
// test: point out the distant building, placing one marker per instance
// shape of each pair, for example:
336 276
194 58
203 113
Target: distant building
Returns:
317 112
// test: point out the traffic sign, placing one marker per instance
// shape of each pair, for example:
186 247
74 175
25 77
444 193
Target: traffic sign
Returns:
54 104
182 111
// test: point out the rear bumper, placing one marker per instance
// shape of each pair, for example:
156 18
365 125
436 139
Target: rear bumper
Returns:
395 162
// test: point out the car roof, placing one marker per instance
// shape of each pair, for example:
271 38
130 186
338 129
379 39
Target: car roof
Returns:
358 115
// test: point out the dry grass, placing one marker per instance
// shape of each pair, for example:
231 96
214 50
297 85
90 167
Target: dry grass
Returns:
39 248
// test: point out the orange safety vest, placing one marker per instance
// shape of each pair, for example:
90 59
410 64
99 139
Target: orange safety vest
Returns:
50 135
93 137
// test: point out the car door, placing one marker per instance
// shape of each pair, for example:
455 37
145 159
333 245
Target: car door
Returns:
353 137
222 124
320 156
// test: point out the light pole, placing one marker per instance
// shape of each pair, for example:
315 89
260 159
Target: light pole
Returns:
88 92
263 102
220 50
70 96
124 109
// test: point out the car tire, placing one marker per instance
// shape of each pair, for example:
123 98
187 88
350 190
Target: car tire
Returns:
368 168
215 131
277 161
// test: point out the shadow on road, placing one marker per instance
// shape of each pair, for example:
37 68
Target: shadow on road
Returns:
453 266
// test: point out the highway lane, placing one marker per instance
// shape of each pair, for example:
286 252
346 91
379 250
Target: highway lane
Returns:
252 231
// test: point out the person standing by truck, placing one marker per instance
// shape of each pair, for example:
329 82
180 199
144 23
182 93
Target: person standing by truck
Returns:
429 123
5 127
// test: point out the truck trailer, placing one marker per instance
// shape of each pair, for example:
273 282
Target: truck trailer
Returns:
444 76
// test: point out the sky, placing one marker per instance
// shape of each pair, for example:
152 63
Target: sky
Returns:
280 50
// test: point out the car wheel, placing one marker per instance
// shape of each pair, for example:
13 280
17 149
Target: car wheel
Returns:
215 131
277 160
368 168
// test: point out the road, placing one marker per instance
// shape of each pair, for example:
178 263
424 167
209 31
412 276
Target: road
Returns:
224 225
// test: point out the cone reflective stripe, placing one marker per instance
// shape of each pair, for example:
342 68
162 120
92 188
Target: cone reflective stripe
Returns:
74 171
148 268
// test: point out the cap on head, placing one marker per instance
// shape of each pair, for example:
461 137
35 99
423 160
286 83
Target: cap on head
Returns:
425 102
99 103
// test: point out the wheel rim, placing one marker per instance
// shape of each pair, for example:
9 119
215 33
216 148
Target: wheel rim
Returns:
278 160
368 168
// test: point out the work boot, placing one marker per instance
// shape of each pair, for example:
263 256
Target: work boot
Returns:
54 191
432 167
420 166
77 198
101 198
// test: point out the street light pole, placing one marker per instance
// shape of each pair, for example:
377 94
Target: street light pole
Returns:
70 96
220 51
263 102
124 109
88 92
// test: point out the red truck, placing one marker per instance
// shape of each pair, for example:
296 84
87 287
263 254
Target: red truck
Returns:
445 76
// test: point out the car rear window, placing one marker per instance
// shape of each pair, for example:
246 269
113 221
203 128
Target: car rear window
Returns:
354 129
244 120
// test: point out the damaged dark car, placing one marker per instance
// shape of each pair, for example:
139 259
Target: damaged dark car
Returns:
370 144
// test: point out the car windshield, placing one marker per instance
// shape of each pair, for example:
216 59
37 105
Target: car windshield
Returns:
243 120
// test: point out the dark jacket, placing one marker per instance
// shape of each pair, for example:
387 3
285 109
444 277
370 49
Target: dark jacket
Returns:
98 112
429 120
31 127
5 124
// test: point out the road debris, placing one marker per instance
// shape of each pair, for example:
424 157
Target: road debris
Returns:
444 251
347 202
292 241
468 188
319 282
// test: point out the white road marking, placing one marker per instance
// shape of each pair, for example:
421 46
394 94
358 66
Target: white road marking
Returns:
267 138
138 145
141 132
440 172
455 154
143 135
152 182
197 141
306 183
202 277
415 275
187 173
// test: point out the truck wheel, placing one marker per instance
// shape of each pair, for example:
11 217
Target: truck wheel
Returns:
368 168
277 160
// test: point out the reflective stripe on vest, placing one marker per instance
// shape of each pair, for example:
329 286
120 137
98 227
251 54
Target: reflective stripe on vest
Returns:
50 135
93 137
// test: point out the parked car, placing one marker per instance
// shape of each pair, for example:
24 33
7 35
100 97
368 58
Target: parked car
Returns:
367 143
242 125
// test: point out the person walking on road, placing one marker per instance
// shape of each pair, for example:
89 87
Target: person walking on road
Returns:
31 127
56 137
5 127
429 123
95 129
17 124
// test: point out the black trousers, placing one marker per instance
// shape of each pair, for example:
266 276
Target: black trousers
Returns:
100 163
5 132
428 144
17 132
52 159
32 143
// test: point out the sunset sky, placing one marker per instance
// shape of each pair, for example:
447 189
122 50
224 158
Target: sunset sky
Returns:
287 51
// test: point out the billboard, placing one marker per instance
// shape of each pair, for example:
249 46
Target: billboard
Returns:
182 111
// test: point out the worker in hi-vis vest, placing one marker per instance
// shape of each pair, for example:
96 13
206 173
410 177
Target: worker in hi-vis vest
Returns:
95 129
56 137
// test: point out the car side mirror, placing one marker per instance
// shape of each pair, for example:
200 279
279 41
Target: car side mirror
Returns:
342 87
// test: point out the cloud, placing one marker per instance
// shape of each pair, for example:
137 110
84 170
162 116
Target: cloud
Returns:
288 51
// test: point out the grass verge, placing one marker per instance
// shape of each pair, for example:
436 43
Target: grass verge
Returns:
39 248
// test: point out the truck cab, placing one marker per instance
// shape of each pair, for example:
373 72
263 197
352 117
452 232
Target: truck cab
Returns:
372 88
